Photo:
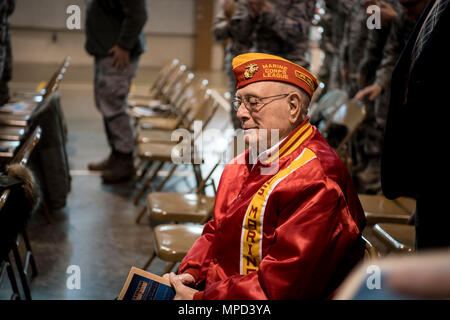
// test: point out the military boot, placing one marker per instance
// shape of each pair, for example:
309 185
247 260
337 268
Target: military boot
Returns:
101 165
120 170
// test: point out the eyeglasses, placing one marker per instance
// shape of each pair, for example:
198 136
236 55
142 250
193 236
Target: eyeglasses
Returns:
252 102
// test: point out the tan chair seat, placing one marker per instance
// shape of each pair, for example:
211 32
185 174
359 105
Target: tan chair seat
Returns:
20 120
165 206
155 135
157 112
379 209
158 123
11 133
409 204
173 241
398 237
7 148
159 151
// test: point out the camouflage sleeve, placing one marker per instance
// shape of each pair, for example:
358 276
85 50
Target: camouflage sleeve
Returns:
241 24
291 25
392 51
221 27
373 53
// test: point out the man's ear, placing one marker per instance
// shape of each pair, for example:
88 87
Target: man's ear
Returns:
295 108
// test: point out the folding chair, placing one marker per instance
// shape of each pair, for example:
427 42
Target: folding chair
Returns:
347 117
164 98
370 253
22 158
163 127
321 112
184 115
51 85
168 107
7 151
379 209
162 152
159 84
11 133
191 207
6 265
172 242
398 238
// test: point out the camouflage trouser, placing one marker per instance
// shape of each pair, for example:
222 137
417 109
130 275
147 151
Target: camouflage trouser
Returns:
111 88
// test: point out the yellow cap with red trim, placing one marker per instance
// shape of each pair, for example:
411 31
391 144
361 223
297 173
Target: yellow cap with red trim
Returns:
255 67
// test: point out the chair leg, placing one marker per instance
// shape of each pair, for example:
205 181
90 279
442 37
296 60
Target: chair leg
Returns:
149 261
30 256
23 277
144 171
141 214
12 280
169 175
169 267
147 184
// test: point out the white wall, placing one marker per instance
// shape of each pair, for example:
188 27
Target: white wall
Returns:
39 33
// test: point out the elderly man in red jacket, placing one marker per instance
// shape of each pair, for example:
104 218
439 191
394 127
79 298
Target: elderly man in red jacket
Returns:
290 232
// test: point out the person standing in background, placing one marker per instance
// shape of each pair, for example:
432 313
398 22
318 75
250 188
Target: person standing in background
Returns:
413 161
279 27
222 32
114 37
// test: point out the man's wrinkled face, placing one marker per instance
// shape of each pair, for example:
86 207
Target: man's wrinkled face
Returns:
259 119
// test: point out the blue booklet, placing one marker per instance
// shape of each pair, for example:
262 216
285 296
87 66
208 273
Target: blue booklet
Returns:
143 285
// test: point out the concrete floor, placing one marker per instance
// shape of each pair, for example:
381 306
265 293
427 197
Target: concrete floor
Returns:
96 231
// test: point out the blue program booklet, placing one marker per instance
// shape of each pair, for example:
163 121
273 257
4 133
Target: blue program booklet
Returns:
143 285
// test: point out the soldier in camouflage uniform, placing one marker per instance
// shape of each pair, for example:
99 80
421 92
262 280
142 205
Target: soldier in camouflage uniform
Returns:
222 32
6 9
279 27
384 47
336 12
114 37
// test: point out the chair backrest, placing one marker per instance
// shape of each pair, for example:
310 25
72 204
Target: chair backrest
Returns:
23 154
327 105
173 81
162 77
3 197
370 252
55 80
349 115
180 89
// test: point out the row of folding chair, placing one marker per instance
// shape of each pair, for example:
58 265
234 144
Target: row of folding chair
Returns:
176 100
15 116
391 221
23 265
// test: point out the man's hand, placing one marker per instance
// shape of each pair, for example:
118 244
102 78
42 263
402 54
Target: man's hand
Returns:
372 91
258 7
183 292
120 57
186 278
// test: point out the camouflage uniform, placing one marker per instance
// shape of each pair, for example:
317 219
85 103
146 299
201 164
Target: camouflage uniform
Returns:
353 45
283 31
6 9
384 48
222 32
332 22
111 87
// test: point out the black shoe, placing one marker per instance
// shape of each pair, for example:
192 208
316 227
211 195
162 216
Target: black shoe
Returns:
121 169
101 165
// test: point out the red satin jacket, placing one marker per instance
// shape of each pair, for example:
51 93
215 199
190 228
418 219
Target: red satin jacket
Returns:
292 234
